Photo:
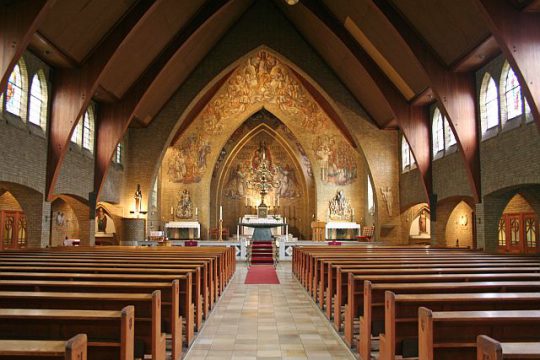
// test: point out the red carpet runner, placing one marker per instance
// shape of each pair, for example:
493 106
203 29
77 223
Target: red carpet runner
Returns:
261 253
261 274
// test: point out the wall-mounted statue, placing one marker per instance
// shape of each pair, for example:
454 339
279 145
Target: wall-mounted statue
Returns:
184 206
387 196
339 207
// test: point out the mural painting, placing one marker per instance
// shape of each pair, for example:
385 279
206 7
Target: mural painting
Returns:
187 163
249 159
184 205
336 160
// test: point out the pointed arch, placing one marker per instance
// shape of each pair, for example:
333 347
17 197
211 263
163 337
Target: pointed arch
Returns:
17 90
437 133
489 104
511 96
37 108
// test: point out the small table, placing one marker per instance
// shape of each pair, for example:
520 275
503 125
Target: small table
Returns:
341 225
261 231
193 228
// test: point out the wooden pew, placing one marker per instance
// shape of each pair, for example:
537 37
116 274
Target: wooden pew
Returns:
491 349
127 274
73 349
110 333
148 308
452 334
374 305
356 282
169 291
401 320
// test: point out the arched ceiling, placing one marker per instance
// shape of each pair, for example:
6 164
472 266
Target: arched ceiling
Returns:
74 29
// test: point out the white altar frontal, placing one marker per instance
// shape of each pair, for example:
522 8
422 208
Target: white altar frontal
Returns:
177 230
246 231
341 230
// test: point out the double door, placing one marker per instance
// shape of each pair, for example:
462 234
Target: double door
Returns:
518 233
13 230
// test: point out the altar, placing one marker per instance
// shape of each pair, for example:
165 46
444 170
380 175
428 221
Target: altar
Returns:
259 229
341 230
182 230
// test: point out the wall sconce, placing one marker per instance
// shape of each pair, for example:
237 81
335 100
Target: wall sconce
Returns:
463 220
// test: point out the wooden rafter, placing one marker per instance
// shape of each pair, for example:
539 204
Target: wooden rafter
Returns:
455 93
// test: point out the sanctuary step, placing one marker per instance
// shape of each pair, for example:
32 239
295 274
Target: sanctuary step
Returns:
262 252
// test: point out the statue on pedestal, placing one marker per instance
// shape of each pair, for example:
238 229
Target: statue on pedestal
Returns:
138 199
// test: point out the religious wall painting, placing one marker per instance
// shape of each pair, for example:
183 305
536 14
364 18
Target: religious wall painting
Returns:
263 79
184 205
242 178
188 160
104 222
336 159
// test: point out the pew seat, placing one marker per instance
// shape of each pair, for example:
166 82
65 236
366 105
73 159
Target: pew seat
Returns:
491 349
73 349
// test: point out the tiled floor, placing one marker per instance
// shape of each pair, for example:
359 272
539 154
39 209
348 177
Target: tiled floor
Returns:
267 322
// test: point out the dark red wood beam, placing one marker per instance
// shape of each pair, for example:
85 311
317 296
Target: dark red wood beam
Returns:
74 89
115 118
19 20
412 120
455 93
518 35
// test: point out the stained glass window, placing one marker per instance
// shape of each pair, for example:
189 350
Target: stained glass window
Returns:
88 131
405 154
512 93
14 92
491 104
437 132
502 232
449 137
36 101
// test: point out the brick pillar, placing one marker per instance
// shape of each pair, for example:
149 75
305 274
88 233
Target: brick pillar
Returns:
45 224
488 213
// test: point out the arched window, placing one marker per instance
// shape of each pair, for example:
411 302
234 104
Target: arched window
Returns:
489 104
512 93
16 88
405 154
38 101
449 138
370 198
76 137
437 132
88 130
118 154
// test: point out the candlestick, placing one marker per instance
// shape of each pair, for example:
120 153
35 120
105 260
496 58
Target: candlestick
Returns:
237 232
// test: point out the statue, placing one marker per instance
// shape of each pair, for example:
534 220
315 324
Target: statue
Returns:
101 220
138 199
184 208
387 197
422 222
340 208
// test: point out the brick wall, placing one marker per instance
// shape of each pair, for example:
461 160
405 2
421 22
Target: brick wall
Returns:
263 24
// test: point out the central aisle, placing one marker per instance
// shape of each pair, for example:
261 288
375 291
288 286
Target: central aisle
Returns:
267 322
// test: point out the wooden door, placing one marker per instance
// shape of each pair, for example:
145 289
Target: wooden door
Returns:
13 230
518 233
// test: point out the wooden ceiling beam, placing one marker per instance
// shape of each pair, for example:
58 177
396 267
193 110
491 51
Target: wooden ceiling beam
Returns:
19 20
455 93
115 118
518 35
74 89
412 120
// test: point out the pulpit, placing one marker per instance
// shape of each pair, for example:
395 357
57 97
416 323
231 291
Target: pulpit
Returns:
317 230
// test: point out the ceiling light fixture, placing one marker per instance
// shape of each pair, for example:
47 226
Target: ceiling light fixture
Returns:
292 2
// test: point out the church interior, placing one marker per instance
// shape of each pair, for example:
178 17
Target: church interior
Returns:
269 179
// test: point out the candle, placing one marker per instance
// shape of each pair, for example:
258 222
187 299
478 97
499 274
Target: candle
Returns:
247 201
220 212
196 211
172 210
238 232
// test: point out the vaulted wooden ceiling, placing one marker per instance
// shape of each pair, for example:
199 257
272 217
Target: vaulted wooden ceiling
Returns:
395 57
74 29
